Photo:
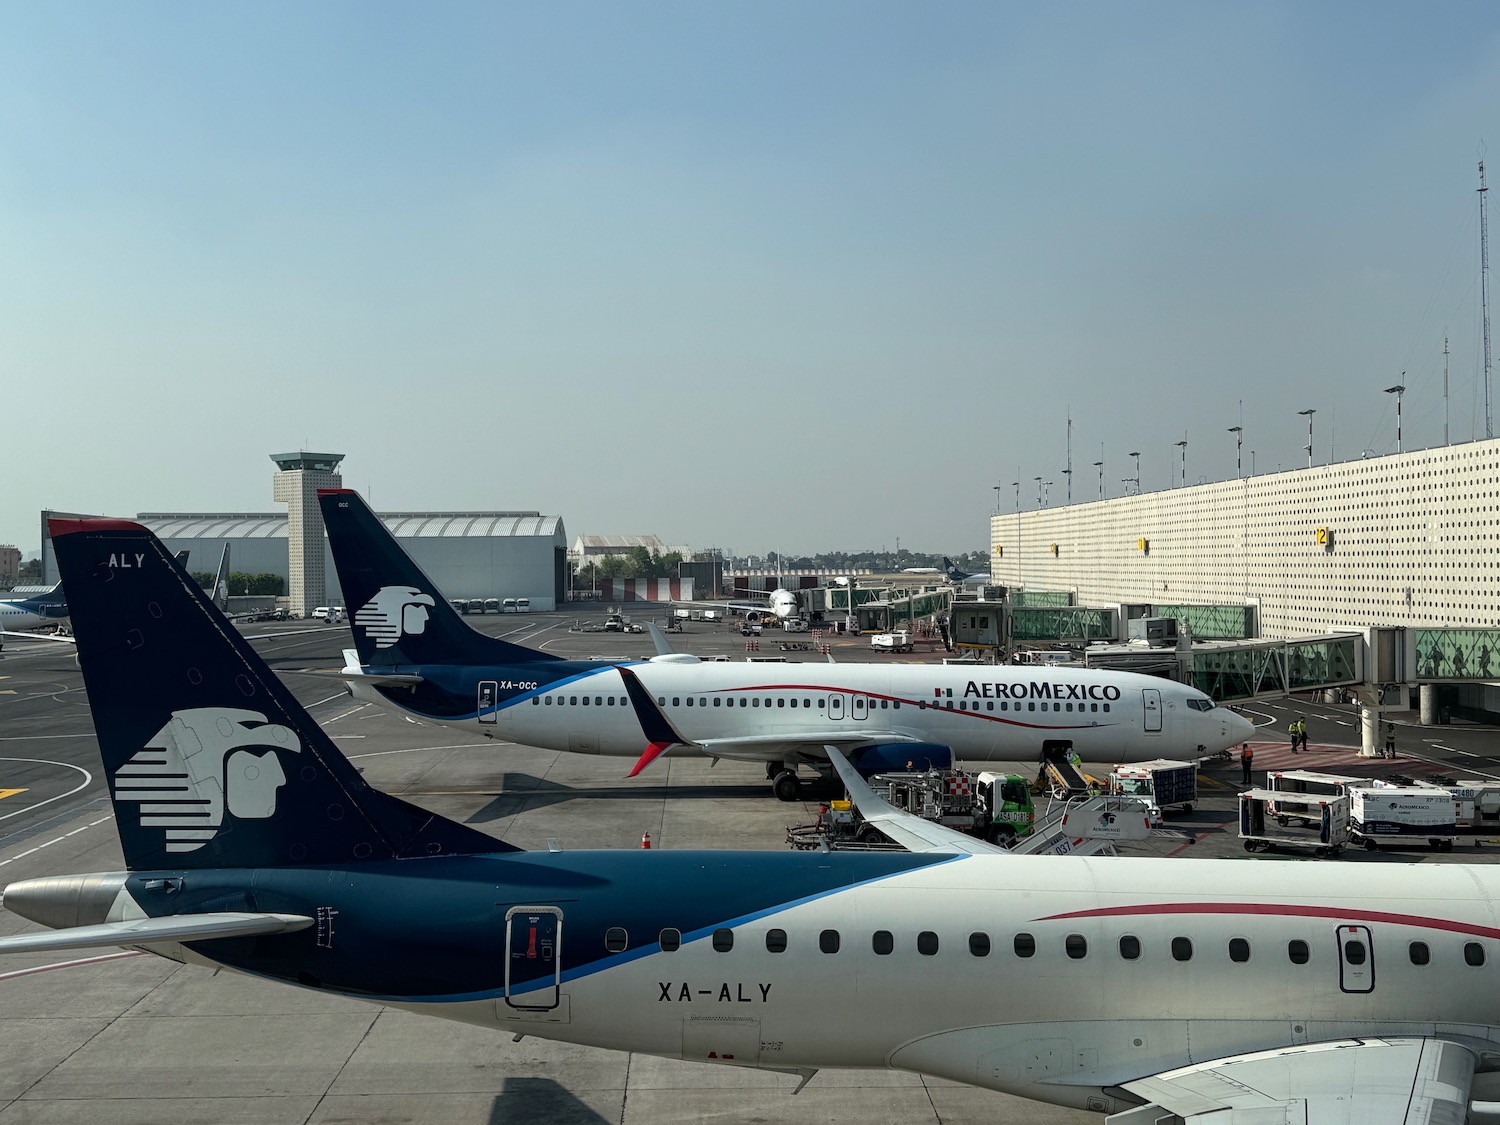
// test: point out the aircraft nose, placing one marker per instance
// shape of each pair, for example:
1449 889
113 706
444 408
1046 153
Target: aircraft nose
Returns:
1242 728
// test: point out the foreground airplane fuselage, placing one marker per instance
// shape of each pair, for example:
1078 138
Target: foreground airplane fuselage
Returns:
999 713
1056 979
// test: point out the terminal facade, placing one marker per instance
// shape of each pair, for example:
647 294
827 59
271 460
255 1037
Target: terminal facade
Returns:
1405 542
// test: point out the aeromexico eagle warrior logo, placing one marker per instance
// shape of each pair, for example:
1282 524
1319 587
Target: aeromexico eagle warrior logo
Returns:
393 613
199 765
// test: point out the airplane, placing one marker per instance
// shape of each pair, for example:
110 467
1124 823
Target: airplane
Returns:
416 656
47 608
960 577
1207 992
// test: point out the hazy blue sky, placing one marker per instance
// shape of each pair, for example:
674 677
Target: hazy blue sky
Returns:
767 276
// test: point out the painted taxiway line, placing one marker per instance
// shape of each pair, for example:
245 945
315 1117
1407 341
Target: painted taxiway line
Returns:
56 840
88 780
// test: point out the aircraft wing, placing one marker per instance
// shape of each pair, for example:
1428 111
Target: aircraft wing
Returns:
1341 1082
148 931
911 832
62 639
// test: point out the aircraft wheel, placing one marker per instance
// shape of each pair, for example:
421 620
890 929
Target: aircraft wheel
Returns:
772 769
1371 845
1187 808
786 786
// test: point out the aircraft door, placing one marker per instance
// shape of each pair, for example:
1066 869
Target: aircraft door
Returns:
1151 700
835 705
1356 959
533 957
859 706
489 695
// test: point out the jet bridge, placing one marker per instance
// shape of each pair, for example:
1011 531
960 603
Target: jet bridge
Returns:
1234 671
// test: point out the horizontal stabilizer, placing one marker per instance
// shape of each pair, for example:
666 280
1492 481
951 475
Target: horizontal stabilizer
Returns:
148 931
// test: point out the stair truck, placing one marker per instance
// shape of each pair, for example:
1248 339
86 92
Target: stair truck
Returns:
1161 782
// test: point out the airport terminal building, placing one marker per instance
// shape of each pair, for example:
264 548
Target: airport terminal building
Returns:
467 555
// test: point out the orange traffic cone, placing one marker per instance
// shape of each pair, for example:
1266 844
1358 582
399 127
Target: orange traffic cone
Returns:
646 841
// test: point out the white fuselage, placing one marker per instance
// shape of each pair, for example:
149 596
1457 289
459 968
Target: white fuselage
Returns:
1055 978
984 714
14 616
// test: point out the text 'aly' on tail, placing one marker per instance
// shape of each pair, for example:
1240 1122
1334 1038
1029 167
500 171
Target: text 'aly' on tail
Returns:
398 615
211 761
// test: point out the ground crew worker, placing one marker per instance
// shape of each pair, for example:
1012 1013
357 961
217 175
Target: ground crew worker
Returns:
1247 756
1295 731
1390 740
1302 730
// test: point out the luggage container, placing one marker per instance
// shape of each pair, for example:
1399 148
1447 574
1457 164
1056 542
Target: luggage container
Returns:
1161 782
1285 782
1327 817
1402 814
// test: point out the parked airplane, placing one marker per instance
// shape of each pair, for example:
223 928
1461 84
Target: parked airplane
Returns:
418 657
960 577
1223 992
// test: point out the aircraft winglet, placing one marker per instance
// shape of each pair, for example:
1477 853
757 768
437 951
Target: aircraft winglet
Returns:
659 732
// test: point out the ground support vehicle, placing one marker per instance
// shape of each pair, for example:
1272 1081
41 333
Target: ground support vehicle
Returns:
1328 820
1062 774
898 641
1476 801
1292 785
1162 782
1402 814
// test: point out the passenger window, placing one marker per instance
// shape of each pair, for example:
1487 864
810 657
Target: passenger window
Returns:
671 940
723 941
979 944
1106 706
775 941
1296 952
1093 706
548 701
690 701
1130 947
896 705
1024 945
921 705
1077 946
820 703
676 702
598 701
535 699
1419 953
717 701
585 701
661 701
1354 952
572 701
990 706
755 703
927 943
884 703
780 702
1004 705
1182 949
882 942
616 939
1473 954
828 941
1239 950
1031 705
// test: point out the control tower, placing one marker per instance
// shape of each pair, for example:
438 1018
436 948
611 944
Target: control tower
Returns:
296 483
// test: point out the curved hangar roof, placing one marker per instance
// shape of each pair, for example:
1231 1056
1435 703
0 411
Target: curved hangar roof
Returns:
404 525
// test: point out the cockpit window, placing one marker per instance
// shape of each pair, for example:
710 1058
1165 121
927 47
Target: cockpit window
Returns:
1201 704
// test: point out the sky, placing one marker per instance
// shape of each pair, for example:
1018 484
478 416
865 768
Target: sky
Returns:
762 276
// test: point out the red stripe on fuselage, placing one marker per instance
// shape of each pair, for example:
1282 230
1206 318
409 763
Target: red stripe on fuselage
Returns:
1287 910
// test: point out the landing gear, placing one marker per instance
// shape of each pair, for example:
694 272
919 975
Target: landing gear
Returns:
772 769
787 786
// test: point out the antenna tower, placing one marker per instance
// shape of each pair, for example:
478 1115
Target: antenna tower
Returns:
1070 457
1445 390
1484 291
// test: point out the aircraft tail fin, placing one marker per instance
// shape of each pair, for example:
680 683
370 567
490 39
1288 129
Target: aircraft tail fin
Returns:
397 614
211 761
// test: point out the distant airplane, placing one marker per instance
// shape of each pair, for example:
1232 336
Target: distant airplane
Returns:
416 656
1149 989
959 577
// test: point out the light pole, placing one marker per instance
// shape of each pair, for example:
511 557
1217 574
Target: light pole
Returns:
1309 414
997 499
1047 495
1183 446
1038 491
1100 466
1239 440
1069 474
1398 390
1017 486
1137 457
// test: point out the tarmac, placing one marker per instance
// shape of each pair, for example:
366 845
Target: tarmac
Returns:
119 1038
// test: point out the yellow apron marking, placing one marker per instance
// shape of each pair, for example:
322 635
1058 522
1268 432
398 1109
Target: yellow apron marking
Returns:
4 793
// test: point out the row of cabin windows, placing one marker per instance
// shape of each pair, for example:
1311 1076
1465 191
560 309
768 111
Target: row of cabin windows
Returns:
1031 705
793 701
1076 946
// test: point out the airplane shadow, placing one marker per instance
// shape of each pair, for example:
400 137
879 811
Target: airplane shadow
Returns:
523 791
540 1099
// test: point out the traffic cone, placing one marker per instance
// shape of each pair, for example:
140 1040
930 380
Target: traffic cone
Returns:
646 841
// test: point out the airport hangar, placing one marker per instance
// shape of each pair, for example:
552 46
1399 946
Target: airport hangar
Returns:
467 554
1404 546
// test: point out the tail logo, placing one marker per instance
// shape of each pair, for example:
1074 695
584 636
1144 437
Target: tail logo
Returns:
393 613
198 766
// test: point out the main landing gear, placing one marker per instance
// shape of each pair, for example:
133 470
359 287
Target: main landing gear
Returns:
787 785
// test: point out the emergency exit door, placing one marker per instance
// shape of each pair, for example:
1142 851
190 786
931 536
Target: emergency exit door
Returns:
489 695
1356 959
533 957
1151 701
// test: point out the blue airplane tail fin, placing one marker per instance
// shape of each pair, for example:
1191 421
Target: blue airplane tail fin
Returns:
398 615
211 761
